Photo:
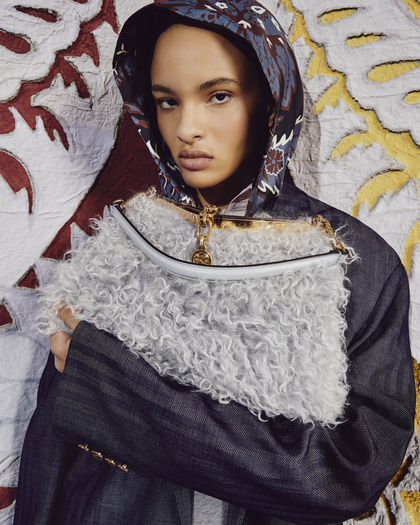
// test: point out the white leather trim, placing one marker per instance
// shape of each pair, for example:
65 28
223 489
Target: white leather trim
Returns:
190 270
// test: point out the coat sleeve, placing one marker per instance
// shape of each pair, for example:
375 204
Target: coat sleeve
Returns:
306 474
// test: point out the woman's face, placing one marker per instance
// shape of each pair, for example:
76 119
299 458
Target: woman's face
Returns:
207 96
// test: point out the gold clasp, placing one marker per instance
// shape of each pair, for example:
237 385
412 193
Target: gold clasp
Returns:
120 203
326 228
206 220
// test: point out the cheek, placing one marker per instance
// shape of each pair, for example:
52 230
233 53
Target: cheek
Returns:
233 128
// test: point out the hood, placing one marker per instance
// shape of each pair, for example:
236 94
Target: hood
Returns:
255 24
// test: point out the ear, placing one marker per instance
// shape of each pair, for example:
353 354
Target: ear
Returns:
271 111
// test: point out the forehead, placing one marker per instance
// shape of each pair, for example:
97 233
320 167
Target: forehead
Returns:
192 51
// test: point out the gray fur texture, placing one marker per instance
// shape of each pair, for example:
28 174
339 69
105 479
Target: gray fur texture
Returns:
275 345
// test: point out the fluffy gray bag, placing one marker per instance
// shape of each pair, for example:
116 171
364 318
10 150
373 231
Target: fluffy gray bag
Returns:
275 345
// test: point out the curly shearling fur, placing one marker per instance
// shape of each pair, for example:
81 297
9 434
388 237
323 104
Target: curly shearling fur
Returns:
274 345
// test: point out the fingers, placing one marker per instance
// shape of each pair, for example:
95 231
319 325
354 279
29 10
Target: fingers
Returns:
60 342
66 315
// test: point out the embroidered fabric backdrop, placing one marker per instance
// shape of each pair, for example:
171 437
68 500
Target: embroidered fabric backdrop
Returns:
62 159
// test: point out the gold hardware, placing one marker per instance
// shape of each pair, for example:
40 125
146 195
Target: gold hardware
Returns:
121 204
326 228
111 462
232 222
202 256
96 455
122 467
206 220
209 218
85 447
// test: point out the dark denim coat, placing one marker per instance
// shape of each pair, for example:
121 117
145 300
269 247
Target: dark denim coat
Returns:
175 440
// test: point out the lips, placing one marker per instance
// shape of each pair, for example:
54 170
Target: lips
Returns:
194 159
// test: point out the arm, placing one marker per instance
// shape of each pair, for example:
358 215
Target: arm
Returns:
308 475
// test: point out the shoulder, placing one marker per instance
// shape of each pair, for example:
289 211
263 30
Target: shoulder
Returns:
375 280
371 248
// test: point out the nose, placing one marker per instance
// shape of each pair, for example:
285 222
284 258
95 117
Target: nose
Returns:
191 125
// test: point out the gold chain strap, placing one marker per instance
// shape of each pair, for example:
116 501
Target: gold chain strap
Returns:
121 204
326 229
206 220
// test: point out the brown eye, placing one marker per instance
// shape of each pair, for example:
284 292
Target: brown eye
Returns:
220 98
166 103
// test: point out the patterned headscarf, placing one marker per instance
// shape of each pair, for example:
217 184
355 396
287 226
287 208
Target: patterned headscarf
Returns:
253 22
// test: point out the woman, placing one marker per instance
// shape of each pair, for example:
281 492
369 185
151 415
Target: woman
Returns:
111 440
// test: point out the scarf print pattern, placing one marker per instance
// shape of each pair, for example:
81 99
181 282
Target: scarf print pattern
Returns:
257 25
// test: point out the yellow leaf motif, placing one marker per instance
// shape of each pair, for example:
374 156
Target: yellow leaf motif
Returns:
411 502
387 72
336 14
361 40
414 6
412 98
399 146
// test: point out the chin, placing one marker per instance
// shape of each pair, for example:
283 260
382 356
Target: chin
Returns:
199 180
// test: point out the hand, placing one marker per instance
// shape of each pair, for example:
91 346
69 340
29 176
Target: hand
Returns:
60 341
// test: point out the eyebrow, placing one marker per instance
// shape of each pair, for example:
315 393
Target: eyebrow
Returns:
217 81
159 88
